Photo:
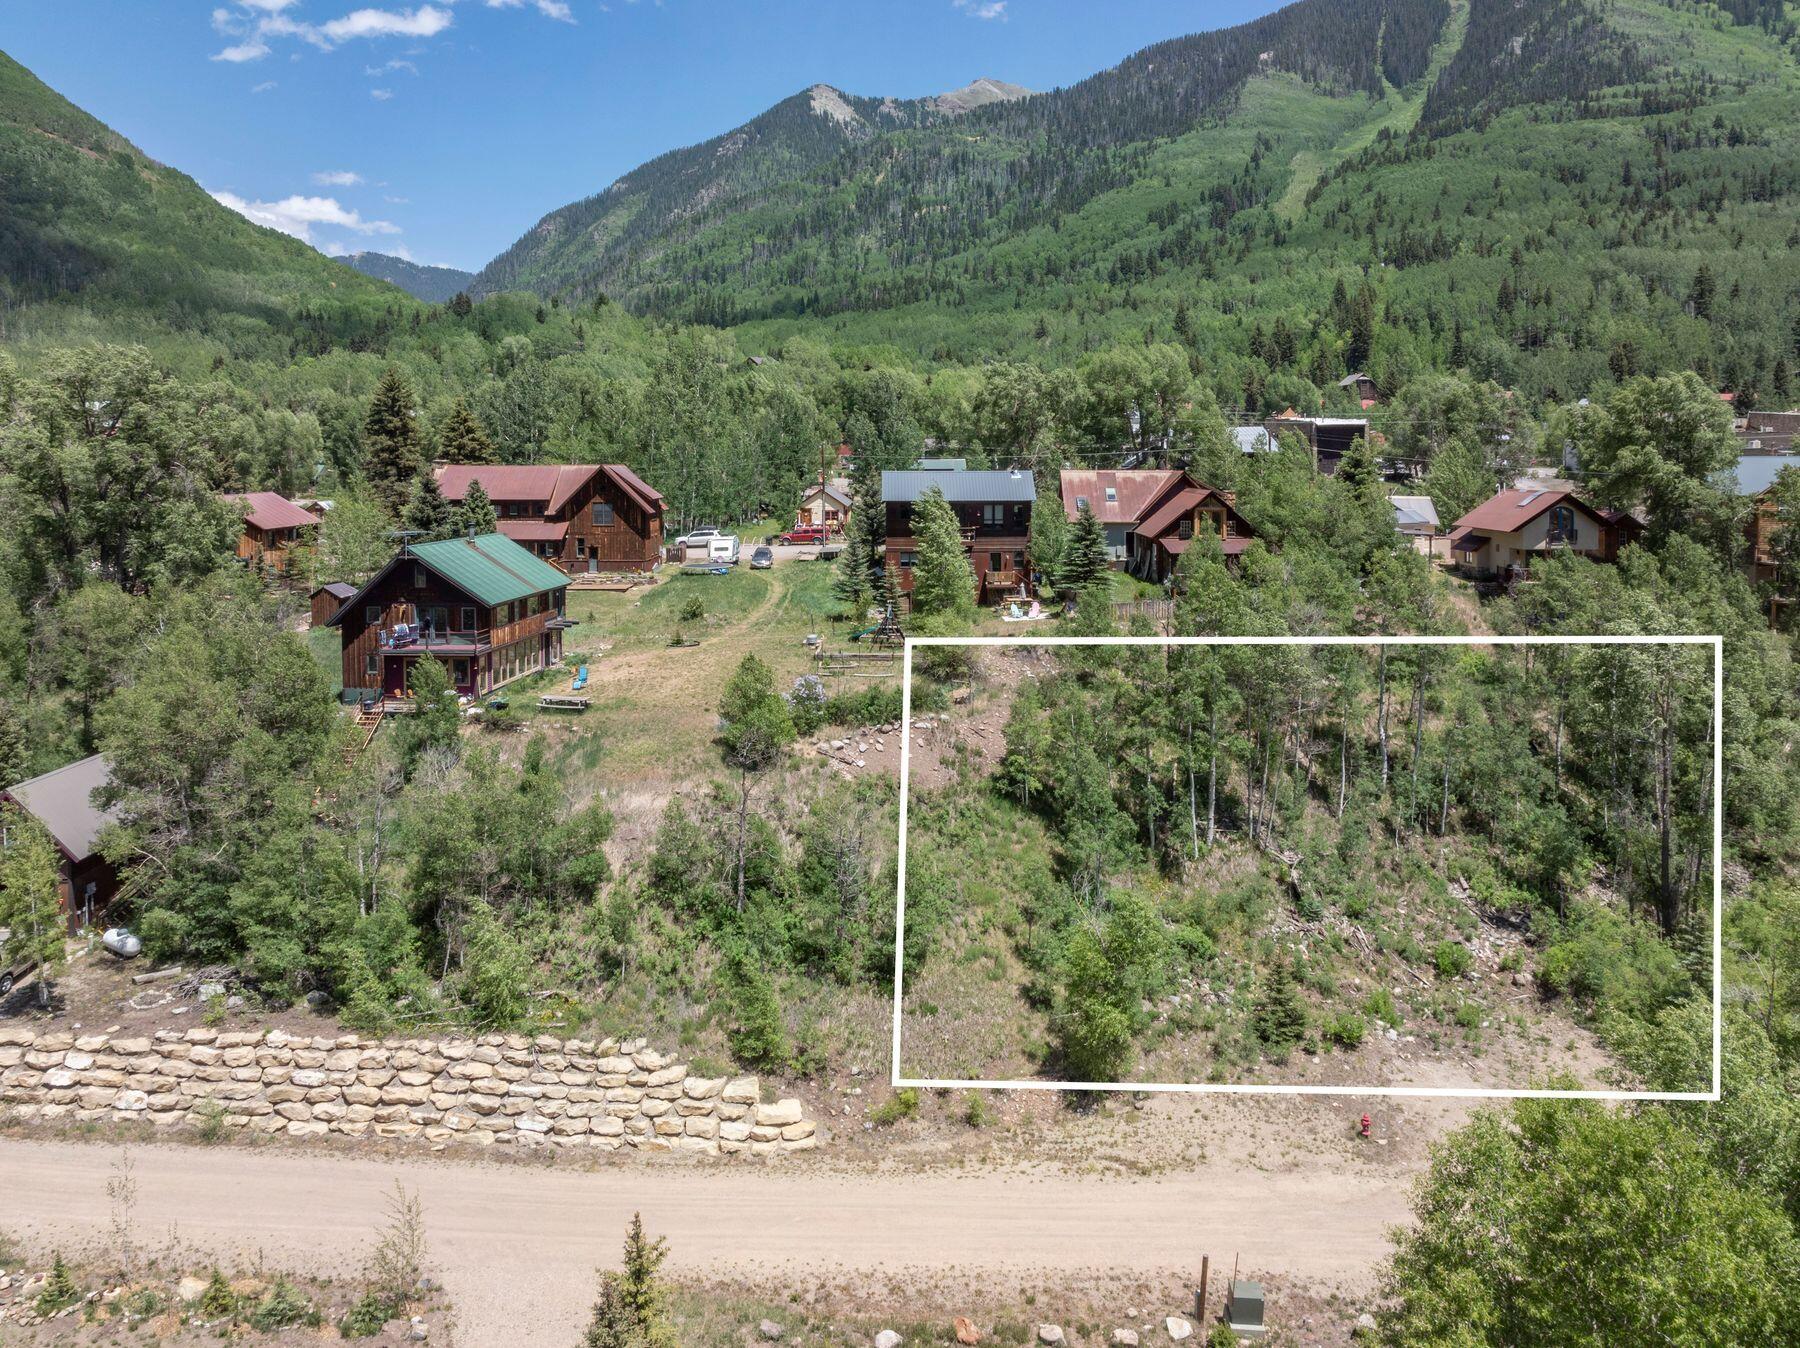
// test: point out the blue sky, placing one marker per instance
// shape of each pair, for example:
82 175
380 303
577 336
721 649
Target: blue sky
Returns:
443 130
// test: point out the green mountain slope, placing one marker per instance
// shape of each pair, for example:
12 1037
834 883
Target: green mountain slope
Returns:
86 217
434 285
1525 187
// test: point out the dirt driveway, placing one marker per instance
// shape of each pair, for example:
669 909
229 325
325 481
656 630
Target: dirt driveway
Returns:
517 1247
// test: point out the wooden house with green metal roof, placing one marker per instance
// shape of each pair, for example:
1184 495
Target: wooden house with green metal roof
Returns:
484 606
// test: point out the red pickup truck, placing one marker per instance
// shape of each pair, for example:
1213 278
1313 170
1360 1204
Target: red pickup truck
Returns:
804 533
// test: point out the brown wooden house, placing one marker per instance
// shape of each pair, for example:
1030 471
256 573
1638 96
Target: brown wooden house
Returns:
585 518
1150 515
1328 438
484 606
63 802
994 509
275 529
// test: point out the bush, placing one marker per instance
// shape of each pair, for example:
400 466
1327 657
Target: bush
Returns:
283 1308
1452 959
372 1311
902 1104
59 1290
806 704
866 706
1346 1030
693 609
218 1301
1379 1005
757 1035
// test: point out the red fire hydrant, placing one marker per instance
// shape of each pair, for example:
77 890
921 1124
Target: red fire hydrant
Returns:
1367 1123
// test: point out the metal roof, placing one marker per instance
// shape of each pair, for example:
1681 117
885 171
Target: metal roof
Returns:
1133 490
62 801
337 589
489 567
1414 510
272 510
964 487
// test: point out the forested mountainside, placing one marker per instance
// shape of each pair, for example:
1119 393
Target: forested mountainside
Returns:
1530 190
434 285
726 174
87 216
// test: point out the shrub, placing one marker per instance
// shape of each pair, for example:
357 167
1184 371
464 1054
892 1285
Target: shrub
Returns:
978 1114
757 1035
1345 1030
902 1104
866 706
693 609
372 1311
59 1290
806 704
1279 1016
1452 959
218 1301
283 1308
1379 1005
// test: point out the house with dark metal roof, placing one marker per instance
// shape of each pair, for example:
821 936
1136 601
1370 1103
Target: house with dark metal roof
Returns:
488 609
327 599
993 508
1502 534
585 518
63 802
274 530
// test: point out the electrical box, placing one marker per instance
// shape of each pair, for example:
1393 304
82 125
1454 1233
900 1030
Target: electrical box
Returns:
1244 1310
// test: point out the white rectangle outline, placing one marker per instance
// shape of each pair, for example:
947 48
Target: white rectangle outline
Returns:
1239 1088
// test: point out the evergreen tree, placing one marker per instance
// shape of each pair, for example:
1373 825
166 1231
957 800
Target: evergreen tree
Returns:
1279 1016
476 514
1049 536
1700 293
392 456
428 514
632 1310
15 752
943 580
1358 470
463 439
1084 559
854 584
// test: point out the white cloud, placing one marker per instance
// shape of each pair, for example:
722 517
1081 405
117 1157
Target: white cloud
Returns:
254 49
298 215
425 21
550 9
398 63
338 178
982 9
263 88
381 95
267 6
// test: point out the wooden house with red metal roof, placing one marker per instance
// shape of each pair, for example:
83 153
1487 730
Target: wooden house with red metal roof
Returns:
1150 515
484 606
585 518
275 529
1502 534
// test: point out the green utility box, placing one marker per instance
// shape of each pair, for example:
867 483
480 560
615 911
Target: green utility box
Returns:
1244 1310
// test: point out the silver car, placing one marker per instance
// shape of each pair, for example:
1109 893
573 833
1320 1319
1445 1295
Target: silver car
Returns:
762 559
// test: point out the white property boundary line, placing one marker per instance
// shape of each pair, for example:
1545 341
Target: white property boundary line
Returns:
1718 980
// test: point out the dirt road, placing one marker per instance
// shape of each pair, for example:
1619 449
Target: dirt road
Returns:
517 1247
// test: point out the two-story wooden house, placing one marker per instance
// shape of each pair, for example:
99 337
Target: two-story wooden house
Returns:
275 529
583 517
1502 534
1150 515
994 510
484 606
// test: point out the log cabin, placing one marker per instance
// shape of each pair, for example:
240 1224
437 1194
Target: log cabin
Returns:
63 802
275 530
327 599
585 518
994 510
488 609
1503 534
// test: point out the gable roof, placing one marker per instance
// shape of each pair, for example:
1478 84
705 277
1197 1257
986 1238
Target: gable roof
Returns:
271 510
965 486
552 483
489 568
838 488
1509 511
62 801
635 487
1134 489
337 589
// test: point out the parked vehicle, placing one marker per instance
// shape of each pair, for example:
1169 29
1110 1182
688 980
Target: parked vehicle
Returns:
804 533
762 559
699 536
723 550
10 973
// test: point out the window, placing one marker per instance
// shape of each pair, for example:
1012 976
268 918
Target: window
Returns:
372 614
1187 527
418 578
993 514
1562 524
1112 496
581 549
996 561
603 513
372 667
1081 503
468 618
907 558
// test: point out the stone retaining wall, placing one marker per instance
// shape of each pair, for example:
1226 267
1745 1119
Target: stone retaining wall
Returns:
499 1089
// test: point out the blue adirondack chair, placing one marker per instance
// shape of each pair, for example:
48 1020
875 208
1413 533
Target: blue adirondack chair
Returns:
580 680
